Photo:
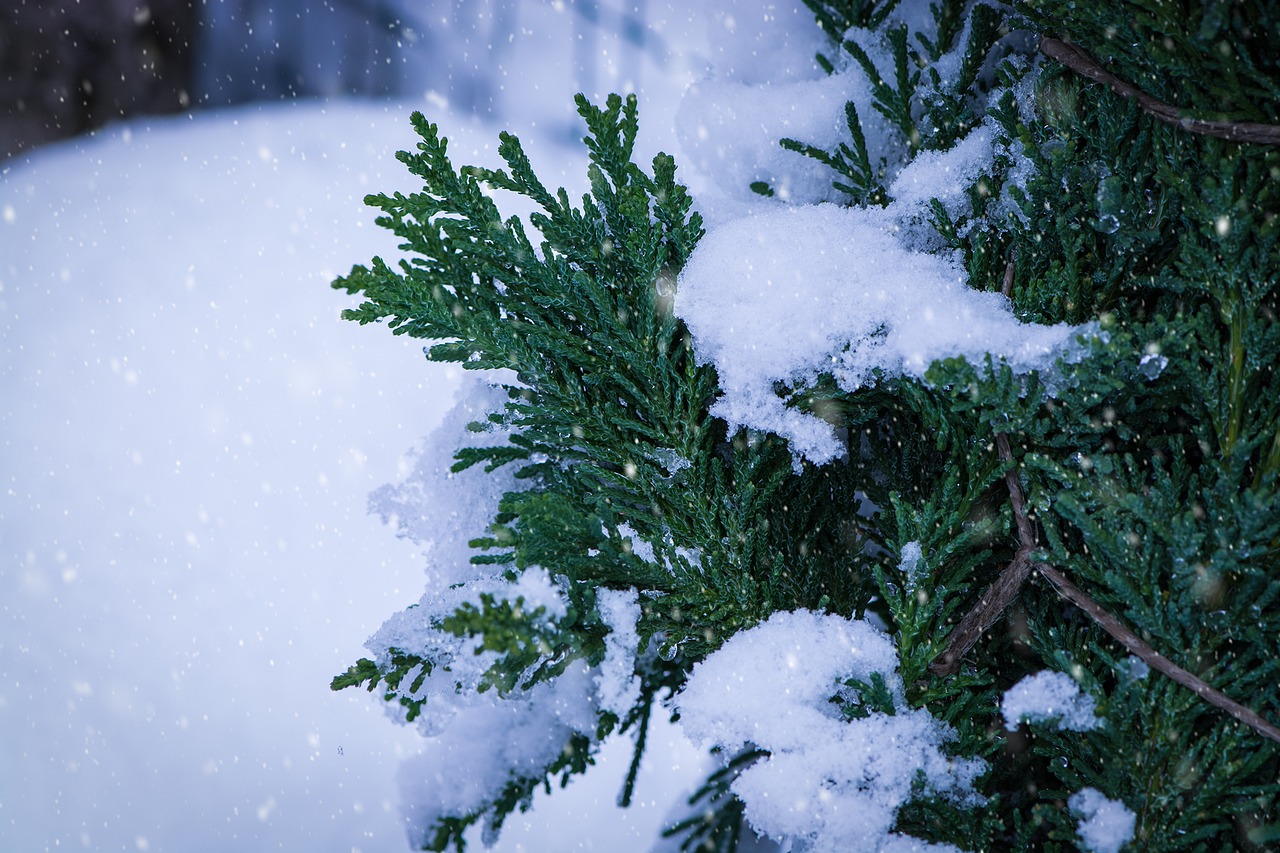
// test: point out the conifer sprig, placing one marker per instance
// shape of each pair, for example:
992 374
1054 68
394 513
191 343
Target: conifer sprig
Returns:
609 421
1147 472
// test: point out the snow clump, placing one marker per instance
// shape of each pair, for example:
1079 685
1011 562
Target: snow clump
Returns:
1049 695
616 682
909 564
827 783
790 294
475 740
466 767
1105 825
785 290
442 510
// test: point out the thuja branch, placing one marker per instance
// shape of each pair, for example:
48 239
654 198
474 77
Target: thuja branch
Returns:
1081 62
997 597
1150 656
1005 589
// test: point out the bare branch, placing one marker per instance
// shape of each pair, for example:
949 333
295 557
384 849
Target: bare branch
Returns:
1154 659
1007 287
1006 586
1081 62
984 614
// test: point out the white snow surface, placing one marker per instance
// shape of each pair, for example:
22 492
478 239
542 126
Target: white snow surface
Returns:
189 434
827 784
783 290
1049 696
790 293
943 175
1106 825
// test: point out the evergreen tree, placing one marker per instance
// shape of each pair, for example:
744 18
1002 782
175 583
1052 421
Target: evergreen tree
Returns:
1075 562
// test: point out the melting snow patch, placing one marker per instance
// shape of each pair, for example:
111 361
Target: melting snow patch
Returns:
827 784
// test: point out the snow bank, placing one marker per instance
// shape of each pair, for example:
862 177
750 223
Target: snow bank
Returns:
467 766
189 431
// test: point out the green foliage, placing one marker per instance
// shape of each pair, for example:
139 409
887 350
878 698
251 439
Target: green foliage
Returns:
402 665
862 182
531 649
1217 60
716 824
609 421
836 18
858 699
1150 464
926 111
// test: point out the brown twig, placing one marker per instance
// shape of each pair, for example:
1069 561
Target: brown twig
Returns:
1007 287
1081 62
1026 536
1117 629
1154 659
1001 593
997 597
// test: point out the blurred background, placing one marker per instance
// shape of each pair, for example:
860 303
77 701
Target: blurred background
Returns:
67 67
188 432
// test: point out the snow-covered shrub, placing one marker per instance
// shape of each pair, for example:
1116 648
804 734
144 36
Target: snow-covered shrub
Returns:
959 317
